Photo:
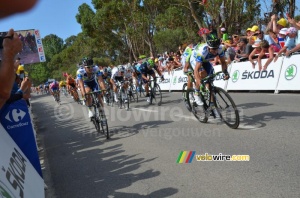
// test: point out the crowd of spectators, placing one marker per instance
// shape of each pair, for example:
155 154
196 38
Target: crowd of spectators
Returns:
278 38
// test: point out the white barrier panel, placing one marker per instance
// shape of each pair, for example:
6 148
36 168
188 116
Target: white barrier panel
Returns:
176 80
165 85
18 178
219 80
244 77
289 77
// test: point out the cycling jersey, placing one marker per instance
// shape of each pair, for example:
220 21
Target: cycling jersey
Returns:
62 84
185 57
54 85
107 77
201 54
92 81
82 75
116 75
144 68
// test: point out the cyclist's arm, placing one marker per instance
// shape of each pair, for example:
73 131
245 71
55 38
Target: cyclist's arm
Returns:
144 77
101 82
196 73
81 85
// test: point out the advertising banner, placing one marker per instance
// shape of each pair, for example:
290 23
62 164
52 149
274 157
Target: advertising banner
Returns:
33 50
15 118
289 78
244 77
18 177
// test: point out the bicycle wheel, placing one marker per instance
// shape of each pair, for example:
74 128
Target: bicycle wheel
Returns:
104 125
132 94
120 103
95 119
142 90
155 95
226 108
199 111
184 97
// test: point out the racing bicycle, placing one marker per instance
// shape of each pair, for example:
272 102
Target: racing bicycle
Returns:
155 92
216 102
99 118
56 96
122 95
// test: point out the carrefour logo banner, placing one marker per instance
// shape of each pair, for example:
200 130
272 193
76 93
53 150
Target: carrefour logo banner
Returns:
16 120
33 50
244 77
18 177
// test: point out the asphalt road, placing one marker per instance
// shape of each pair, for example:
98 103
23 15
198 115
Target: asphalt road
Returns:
140 158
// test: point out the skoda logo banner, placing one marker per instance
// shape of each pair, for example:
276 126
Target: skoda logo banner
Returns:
235 76
290 72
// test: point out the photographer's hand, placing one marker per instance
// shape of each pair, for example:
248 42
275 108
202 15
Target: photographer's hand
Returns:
11 46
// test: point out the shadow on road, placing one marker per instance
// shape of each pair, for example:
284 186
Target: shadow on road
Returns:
80 163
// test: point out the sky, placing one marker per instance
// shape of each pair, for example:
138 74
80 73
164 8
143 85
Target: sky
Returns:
49 16
58 17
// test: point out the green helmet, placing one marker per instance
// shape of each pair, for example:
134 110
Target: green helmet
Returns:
150 62
142 56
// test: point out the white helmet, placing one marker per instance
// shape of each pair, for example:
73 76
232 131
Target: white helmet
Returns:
121 68
128 67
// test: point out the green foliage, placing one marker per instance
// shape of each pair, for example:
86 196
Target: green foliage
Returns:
116 32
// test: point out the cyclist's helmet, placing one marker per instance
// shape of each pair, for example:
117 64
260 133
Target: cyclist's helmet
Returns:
150 63
105 70
142 56
121 68
213 41
108 69
128 67
87 62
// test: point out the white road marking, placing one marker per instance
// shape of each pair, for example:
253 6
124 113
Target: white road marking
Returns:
186 117
148 110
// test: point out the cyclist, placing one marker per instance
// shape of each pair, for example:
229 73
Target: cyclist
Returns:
54 87
137 75
147 68
72 88
46 87
201 56
106 78
118 76
185 61
89 79
62 85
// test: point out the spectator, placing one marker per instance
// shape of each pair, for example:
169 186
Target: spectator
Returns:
234 42
282 37
265 48
294 23
290 42
276 27
15 6
229 52
243 53
272 38
11 46
224 34
7 68
254 54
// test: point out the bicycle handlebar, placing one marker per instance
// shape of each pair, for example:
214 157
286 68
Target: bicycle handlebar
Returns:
211 76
